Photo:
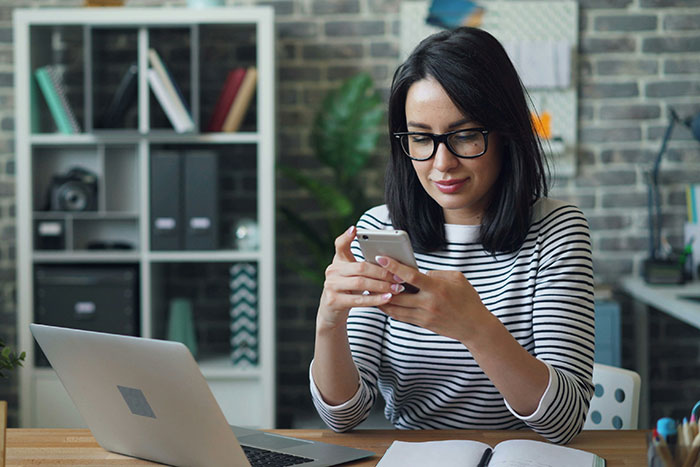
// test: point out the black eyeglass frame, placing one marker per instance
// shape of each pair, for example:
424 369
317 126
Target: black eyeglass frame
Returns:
442 138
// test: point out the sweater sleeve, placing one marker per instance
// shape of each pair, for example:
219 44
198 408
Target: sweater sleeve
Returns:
365 334
365 327
563 324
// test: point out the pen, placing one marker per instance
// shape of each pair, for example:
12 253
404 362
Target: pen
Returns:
662 450
668 432
696 410
684 441
485 458
693 452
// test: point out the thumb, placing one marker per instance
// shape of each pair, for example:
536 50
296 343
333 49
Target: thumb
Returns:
342 245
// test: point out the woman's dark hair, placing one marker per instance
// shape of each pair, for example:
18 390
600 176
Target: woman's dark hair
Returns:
475 71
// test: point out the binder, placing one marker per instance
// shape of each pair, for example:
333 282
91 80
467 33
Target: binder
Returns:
201 223
166 204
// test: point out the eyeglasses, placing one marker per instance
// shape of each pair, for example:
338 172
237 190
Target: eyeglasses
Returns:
465 144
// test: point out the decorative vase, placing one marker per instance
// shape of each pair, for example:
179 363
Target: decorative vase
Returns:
181 324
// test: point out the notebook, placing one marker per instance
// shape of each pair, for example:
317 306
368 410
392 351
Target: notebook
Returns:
469 453
147 398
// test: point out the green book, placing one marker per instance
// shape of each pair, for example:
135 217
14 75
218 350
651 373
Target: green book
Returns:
53 100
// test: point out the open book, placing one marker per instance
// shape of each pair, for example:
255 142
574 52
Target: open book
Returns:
465 453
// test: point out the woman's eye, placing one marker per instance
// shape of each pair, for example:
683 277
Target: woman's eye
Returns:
466 137
418 139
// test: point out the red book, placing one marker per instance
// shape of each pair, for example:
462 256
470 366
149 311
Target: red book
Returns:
226 98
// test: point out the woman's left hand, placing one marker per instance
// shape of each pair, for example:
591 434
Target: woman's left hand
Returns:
446 304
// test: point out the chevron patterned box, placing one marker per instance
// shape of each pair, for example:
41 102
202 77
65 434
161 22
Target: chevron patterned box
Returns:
244 314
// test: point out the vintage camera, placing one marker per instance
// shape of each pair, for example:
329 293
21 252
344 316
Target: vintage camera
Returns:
75 190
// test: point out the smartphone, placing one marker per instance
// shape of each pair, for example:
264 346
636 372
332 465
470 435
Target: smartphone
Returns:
392 243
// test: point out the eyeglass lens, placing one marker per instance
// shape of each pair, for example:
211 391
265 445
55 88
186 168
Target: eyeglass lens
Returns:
464 143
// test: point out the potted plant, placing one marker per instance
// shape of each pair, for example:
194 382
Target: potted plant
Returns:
9 360
344 135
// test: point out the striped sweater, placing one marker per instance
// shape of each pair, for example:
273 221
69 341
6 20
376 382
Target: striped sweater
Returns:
543 294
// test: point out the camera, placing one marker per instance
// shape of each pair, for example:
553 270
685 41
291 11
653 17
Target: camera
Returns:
75 190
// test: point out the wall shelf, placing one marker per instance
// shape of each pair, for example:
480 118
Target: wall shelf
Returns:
93 48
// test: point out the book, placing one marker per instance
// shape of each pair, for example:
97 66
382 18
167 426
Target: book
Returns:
178 120
57 80
467 453
226 96
172 93
123 97
52 87
234 118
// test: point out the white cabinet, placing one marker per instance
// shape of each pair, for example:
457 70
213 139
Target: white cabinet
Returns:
111 227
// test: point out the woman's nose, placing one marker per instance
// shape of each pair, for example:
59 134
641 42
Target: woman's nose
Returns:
444 159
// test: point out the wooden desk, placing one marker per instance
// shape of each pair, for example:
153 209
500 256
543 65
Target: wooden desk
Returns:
78 447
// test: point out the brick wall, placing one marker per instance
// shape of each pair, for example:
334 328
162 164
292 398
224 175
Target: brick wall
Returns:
637 57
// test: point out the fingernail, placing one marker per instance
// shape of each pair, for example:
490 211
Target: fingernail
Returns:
398 279
397 288
381 260
387 296
350 230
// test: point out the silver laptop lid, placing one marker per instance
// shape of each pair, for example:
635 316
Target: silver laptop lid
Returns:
141 397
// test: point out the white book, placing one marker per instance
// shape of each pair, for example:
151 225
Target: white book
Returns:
178 120
158 65
467 453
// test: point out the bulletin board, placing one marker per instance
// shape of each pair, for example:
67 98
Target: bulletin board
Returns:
516 22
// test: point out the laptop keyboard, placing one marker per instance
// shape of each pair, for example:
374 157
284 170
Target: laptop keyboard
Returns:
263 457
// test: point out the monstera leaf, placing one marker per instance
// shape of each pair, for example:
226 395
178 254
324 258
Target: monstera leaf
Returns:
346 130
344 135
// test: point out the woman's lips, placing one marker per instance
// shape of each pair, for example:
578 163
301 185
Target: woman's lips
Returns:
450 186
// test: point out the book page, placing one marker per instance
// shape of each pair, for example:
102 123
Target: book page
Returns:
446 453
527 453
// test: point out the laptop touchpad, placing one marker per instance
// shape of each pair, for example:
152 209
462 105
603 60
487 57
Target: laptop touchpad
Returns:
271 441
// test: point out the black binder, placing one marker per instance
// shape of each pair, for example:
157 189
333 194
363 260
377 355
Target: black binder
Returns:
166 201
201 223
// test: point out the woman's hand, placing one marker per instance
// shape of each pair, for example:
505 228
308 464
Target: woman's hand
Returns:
446 304
351 283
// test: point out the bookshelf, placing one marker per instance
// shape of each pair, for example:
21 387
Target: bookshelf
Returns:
100 54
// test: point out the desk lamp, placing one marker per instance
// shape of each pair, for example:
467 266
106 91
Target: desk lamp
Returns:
657 268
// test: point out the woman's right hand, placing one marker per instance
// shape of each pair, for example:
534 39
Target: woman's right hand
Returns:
346 283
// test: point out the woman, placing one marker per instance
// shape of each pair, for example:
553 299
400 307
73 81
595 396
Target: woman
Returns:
501 334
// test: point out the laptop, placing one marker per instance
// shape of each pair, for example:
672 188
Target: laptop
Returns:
147 398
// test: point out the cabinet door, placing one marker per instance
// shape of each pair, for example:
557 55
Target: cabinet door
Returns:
241 401
53 407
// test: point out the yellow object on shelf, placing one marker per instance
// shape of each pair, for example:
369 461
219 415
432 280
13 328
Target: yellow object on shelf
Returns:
542 124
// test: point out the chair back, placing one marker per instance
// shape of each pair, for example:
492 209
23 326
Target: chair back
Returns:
615 402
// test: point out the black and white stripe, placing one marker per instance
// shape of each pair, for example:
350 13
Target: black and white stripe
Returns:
542 293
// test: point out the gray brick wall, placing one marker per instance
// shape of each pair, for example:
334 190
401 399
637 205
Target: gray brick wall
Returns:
637 58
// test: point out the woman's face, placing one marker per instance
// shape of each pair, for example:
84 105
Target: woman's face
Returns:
462 187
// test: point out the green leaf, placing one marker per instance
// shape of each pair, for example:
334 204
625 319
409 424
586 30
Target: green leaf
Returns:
320 248
326 195
344 136
346 129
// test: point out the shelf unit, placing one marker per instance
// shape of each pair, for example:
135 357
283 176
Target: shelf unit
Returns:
92 47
